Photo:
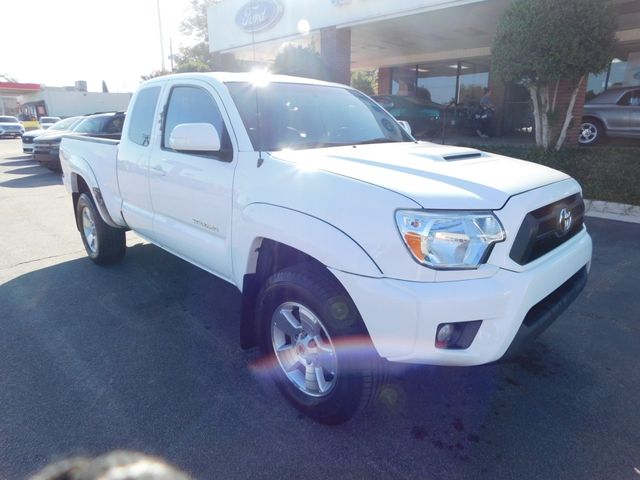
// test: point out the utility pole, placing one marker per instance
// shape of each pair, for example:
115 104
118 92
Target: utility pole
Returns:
171 52
161 40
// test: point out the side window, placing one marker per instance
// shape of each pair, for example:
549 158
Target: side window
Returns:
90 125
631 98
114 125
195 105
141 122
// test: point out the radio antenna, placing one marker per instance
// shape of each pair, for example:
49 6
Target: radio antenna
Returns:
255 92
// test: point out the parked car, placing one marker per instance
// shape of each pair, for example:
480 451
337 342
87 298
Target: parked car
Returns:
349 240
46 122
424 117
46 147
66 125
613 113
10 127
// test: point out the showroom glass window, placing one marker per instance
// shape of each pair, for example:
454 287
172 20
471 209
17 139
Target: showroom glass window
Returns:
437 82
474 78
141 121
403 81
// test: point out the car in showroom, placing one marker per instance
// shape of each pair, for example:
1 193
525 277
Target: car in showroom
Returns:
66 125
10 127
46 122
46 147
613 113
424 117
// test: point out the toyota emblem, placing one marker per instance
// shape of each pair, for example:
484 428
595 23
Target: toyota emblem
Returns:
564 222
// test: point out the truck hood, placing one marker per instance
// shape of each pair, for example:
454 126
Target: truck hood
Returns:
434 176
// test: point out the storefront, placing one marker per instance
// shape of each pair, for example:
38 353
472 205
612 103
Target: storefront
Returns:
432 49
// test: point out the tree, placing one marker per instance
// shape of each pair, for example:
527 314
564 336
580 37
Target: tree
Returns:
7 78
366 81
195 26
300 62
543 42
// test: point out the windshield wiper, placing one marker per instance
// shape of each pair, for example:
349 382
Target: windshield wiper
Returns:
376 140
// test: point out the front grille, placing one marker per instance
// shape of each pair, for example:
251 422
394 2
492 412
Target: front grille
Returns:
27 139
542 230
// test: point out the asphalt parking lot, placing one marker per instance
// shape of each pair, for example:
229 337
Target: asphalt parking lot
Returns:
145 356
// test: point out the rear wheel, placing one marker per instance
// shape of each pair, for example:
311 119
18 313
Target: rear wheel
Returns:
591 132
104 244
320 355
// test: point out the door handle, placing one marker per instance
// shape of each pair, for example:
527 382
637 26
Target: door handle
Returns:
158 170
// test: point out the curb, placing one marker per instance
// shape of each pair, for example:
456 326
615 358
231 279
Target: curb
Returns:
621 212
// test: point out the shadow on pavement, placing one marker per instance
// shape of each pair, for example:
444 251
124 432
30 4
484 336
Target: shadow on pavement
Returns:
145 356
34 176
26 170
20 163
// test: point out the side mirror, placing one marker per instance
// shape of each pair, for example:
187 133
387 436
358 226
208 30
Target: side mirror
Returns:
404 124
195 137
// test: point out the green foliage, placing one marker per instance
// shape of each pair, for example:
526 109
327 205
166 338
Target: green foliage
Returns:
366 81
192 66
300 62
154 74
196 23
606 173
542 41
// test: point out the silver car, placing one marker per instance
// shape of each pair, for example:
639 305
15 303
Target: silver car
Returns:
614 113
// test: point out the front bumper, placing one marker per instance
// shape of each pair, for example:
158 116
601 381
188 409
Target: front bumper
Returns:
46 158
402 317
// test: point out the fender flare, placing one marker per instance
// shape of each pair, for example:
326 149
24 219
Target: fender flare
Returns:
321 240
79 167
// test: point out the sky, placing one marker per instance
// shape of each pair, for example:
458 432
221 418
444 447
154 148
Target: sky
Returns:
61 41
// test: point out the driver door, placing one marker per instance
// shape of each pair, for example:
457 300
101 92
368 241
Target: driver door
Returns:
191 192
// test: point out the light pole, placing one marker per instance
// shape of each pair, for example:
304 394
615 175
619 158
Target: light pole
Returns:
160 30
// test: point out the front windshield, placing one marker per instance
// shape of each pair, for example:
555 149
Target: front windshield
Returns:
9 120
66 124
297 116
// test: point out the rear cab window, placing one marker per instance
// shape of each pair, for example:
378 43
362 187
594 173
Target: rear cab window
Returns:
142 115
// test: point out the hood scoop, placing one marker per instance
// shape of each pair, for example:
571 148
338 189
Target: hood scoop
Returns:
462 156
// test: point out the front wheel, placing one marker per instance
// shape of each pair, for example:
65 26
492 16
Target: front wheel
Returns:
104 244
591 132
318 350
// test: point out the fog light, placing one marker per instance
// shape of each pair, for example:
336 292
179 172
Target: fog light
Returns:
457 336
445 332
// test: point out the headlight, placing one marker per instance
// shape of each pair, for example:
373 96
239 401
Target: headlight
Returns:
449 239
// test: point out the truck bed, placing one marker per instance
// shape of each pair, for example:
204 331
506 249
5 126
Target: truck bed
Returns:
96 158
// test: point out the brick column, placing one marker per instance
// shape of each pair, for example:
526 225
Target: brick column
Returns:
384 81
562 102
335 50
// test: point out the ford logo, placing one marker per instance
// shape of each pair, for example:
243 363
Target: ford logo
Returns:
259 15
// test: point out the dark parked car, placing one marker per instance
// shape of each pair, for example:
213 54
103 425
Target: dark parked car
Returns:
424 117
66 125
46 147
613 113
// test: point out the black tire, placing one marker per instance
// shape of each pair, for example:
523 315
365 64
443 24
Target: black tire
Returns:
359 374
107 245
592 132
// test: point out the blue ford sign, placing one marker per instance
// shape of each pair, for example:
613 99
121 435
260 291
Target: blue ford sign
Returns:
259 15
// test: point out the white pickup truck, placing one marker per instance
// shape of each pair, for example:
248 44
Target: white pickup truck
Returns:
350 241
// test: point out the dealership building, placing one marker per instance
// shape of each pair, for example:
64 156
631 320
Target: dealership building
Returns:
438 45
